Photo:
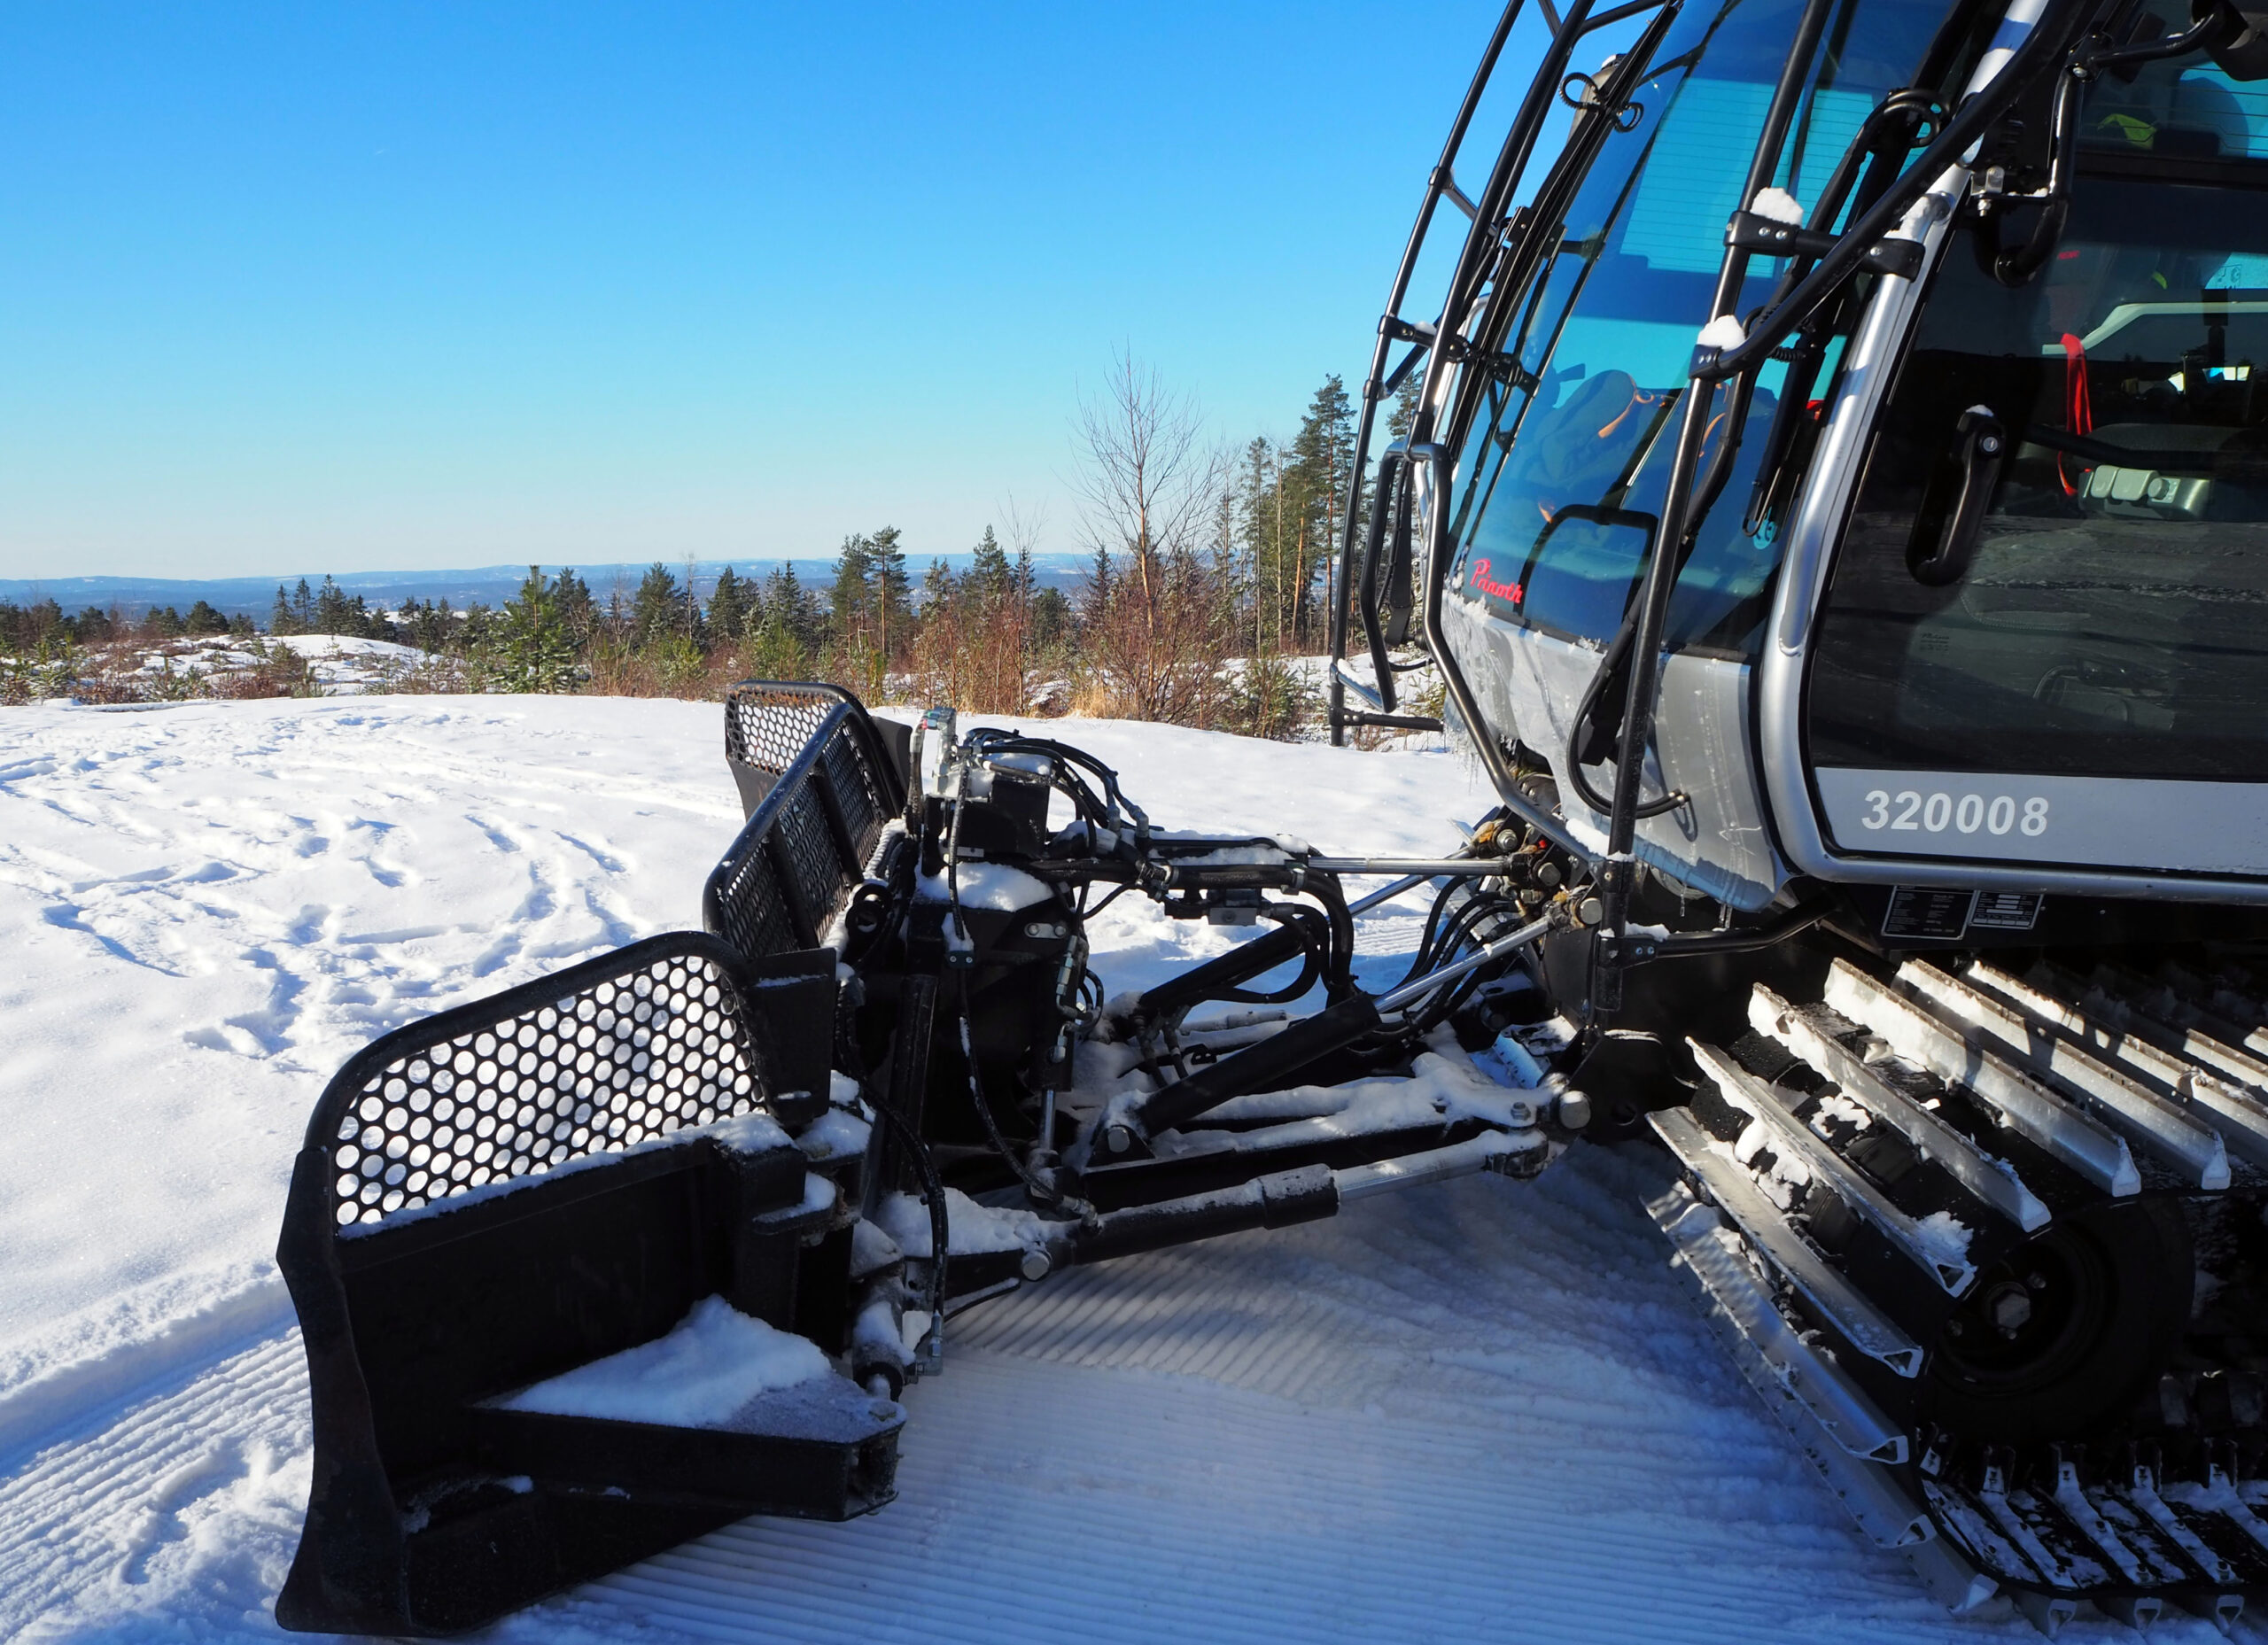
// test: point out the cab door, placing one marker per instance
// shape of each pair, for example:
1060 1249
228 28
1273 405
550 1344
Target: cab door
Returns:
2044 640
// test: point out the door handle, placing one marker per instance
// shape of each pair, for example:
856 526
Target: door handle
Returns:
1950 531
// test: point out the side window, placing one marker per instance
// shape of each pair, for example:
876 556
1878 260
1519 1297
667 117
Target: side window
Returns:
2108 619
1561 480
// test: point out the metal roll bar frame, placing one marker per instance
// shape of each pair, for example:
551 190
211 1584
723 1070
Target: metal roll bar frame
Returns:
1501 242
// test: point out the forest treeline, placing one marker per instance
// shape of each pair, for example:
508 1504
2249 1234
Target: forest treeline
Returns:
1209 571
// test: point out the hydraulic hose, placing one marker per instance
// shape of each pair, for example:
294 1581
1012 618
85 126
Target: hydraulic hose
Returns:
933 1194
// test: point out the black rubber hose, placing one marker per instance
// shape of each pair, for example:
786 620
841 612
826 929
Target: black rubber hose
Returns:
1039 1193
1339 961
1420 961
1219 978
1462 928
933 1194
1314 949
1609 666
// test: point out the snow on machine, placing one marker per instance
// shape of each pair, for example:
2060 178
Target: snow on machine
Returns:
1832 495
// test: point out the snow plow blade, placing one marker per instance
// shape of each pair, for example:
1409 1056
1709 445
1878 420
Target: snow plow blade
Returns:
627 1253
503 1215
583 1224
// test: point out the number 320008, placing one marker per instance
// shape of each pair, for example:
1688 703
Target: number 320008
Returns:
1912 811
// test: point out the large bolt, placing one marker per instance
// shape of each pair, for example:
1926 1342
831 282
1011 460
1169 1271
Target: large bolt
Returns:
1035 1266
2009 1307
1575 1110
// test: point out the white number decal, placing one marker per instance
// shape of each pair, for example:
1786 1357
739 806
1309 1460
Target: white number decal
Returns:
1939 811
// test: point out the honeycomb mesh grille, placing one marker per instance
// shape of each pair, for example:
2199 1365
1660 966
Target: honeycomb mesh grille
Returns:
788 874
603 1065
812 860
863 811
747 907
767 725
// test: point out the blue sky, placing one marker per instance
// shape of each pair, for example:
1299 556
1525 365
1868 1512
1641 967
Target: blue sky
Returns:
365 286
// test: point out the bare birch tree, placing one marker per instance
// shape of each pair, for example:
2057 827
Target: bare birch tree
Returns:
1150 487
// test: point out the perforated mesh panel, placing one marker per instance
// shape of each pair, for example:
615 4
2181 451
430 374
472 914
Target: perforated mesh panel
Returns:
746 906
864 812
617 1062
791 858
812 860
767 725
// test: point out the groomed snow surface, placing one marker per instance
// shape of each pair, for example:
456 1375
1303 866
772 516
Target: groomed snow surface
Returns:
1484 1412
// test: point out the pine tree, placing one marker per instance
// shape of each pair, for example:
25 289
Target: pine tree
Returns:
303 609
1094 598
940 588
851 597
893 593
577 608
334 613
1051 619
1317 477
691 623
1404 415
782 643
283 620
530 649
991 576
658 609
728 607
792 606
1261 525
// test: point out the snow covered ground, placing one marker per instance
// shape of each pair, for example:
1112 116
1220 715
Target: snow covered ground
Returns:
346 665
1485 1412
232 666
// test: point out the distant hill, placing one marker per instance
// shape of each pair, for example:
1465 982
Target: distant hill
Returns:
488 585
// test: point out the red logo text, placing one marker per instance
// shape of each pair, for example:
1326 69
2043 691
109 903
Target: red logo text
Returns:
1480 579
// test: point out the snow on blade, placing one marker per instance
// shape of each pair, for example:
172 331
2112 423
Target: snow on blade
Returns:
715 1360
1946 1238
